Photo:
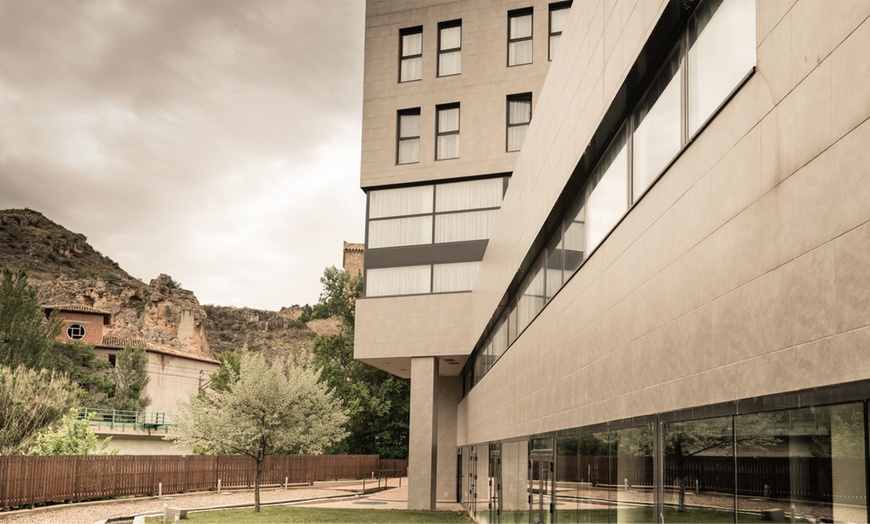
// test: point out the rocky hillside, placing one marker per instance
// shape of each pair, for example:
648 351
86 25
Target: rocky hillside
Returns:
268 332
67 270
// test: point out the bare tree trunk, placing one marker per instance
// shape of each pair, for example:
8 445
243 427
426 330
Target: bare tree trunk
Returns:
259 468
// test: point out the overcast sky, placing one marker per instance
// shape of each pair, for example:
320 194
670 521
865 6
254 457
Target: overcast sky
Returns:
216 141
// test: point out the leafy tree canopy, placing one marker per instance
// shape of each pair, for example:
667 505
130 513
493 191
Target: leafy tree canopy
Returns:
130 378
73 437
269 409
25 335
228 372
30 401
377 403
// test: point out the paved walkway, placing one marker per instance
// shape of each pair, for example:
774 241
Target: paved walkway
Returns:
327 494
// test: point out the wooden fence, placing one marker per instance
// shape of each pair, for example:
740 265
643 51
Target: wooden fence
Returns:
25 481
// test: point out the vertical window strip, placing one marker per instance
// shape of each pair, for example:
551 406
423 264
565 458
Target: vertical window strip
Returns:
518 118
408 148
450 48
520 37
447 132
411 53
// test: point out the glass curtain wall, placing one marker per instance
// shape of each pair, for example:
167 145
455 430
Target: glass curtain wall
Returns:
804 465
424 215
699 470
799 465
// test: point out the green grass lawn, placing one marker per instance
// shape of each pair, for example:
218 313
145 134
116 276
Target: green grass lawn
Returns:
283 514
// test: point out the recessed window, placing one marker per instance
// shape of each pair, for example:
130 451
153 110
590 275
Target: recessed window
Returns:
519 114
447 133
408 148
520 37
113 360
721 52
558 14
450 48
411 53
75 331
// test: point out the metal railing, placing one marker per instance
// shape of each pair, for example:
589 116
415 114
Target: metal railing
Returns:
116 418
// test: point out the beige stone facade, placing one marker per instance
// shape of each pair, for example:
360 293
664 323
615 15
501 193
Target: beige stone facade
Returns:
736 284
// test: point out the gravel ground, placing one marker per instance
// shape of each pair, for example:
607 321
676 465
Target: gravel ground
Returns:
90 512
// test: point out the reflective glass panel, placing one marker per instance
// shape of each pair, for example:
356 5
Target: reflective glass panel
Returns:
699 471
634 475
531 300
721 53
657 136
574 241
807 465
607 192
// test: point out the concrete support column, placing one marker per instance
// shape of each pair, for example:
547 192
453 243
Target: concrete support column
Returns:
423 444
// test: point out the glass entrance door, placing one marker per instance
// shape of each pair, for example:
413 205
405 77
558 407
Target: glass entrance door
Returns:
494 483
541 480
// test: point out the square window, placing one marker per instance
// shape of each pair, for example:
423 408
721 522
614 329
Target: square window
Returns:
447 132
411 53
450 48
519 114
520 37
408 147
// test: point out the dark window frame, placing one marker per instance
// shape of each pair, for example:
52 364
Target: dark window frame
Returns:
519 97
517 13
76 331
448 25
402 57
550 33
439 133
399 138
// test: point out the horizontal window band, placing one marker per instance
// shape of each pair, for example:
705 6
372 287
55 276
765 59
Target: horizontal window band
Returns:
446 253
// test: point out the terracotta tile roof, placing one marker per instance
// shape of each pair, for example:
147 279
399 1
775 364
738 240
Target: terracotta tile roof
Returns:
79 308
120 343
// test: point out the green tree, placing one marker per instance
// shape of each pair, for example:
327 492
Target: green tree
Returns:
130 378
337 297
31 400
28 338
73 437
25 334
269 409
228 372
377 403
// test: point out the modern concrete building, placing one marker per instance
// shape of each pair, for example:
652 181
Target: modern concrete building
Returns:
622 251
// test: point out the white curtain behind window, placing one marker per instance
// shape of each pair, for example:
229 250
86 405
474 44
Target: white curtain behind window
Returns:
520 52
400 232
411 280
474 194
448 145
402 201
450 62
448 278
461 227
